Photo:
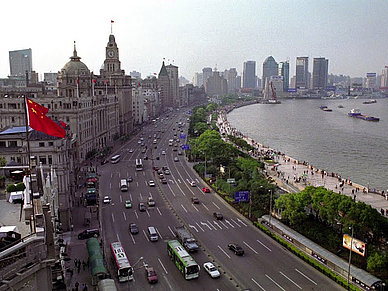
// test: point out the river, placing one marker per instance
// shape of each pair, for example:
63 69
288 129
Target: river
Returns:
333 141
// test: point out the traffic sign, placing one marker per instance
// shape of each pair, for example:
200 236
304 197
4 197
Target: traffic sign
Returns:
231 181
182 136
185 147
241 196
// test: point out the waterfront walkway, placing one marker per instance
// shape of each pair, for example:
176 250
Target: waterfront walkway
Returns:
293 175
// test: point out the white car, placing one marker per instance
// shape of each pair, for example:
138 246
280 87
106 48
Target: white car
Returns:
211 270
163 153
192 183
107 200
151 183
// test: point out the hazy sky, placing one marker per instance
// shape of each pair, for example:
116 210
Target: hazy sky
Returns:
352 34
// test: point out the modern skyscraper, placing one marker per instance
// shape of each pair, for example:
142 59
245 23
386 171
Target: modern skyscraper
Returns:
284 71
20 61
320 73
270 68
249 74
206 73
302 76
198 79
384 78
371 80
230 76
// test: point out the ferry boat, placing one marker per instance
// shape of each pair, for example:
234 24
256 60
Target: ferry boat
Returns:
325 108
357 114
371 101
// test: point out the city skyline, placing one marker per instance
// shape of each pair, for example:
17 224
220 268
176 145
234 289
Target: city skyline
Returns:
192 35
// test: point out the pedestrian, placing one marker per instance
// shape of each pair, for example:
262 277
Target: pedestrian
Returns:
72 227
84 287
83 264
78 268
75 262
71 271
382 211
76 285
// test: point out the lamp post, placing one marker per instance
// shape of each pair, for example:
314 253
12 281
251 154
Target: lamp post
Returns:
140 259
350 255
270 207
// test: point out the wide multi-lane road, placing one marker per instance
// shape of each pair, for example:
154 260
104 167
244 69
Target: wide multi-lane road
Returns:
265 265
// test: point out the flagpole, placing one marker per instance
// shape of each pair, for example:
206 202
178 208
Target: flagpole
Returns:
29 164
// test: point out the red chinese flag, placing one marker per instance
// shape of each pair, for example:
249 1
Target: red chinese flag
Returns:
63 124
112 21
38 120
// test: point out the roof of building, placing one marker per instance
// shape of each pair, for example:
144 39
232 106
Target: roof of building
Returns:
15 130
163 70
75 66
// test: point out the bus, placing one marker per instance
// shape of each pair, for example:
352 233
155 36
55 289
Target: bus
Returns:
139 165
182 260
115 159
120 260
123 185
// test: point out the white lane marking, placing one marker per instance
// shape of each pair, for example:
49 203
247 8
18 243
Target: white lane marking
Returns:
121 199
306 277
239 220
273 281
143 173
211 225
195 207
159 233
257 284
133 239
224 252
146 236
203 204
183 208
136 214
160 262
199 226
118 238
171 231
125 217
192 226
216 205
235 222
110 185
224 225
216 223
229 223
168 283
137 184
250 247
141 197
204 223
179 181
119 174
148 213
111 175
130 197
157 208
113 218
264 245
290 280
146 183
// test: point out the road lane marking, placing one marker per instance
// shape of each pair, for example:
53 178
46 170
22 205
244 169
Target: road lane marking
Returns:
204 223
290 280
111 175
137 184
171 231
121 199
136 214
158 233
273 281
203 204
229 223
211 225
118 238
257 284
110 185
264 245
306 277
146 236
130 196
113 218
216 205
160 262
146 183
224 225
239 220
157 208
235 222
171 190
125 217
179 181
195 207
224 252
250 247
133 239
183 208
216 223
199 226
192 226
148 213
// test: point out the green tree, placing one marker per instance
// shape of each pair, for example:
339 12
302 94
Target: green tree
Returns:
377 263
3 162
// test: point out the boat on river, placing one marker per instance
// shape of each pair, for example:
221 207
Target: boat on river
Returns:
325 108
357 114
371 101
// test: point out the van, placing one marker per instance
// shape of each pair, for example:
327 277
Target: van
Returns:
150 201
123 185
153 235
89 233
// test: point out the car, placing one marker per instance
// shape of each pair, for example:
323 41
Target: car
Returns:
142 207
218 215
143 151
149 136
174 149
142 144
167 172
194 200
133 228
151 183
206 190
211 270
107 200
150 201
176 159
129 179
180 153
163 153
151 275
163 181
139 142
236 249
161 176
160 171
128 204
142 138
155 168
131 151
154 141
192 183
89 233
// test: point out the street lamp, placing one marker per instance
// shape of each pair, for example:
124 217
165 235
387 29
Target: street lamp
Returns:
140 259
350 255
270 207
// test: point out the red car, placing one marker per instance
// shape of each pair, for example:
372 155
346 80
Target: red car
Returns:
206 189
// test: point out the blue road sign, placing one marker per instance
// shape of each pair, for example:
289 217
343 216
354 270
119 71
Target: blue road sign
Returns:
241 196
190 112
185 147
182 136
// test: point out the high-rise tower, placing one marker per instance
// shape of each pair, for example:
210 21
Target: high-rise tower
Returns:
284 71
302 73
20 62
270 68
320 72
249 74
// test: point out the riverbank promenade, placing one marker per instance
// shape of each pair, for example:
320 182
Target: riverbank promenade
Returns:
293 176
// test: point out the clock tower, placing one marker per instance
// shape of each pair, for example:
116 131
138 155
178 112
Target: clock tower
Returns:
112 65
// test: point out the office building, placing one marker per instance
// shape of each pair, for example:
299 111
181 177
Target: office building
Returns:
249 75
206 73
284 71
384 78
20 62
371 81
320 73
216 85
198 79
270 68
231 78
302 73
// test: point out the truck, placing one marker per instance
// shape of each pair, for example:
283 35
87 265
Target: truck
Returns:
186 239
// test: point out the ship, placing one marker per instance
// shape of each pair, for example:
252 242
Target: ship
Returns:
325 108
270 93
357 114
371 101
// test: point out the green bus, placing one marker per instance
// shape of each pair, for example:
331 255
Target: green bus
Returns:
182 260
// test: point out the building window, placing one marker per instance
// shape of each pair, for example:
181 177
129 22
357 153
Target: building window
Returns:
50 160
2 144
43 160
12 143
51 143
41 144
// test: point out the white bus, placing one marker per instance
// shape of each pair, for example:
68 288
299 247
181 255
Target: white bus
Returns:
124 269
139 165
123 185
115 159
